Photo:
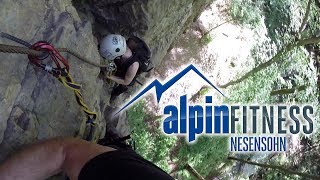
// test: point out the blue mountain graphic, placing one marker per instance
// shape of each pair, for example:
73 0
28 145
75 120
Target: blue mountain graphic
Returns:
161 88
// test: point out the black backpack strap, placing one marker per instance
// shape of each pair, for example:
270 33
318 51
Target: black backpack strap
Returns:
138 82
125 138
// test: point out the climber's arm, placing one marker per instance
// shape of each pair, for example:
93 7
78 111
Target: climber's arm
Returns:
130 74
44 159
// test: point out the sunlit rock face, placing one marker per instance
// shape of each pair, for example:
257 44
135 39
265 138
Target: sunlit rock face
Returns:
33 104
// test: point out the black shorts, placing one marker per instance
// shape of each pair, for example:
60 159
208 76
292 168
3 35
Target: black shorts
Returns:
121 164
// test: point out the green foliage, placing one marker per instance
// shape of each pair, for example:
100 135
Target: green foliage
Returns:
137 114
278 19
150 142
205 155
204 91
245 12
271 174
257 88
281 19
206 39
306 75
276 175
313 23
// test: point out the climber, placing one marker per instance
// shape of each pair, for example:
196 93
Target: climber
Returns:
132 57
78 159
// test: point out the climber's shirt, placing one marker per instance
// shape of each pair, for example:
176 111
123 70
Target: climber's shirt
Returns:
140 53
121 164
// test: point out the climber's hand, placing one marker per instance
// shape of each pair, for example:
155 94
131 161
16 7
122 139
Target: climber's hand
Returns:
109 76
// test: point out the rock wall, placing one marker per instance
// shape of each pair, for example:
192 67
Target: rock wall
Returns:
33 104
159 23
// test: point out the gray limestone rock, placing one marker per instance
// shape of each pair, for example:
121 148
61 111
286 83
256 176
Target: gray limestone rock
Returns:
159 23
35 105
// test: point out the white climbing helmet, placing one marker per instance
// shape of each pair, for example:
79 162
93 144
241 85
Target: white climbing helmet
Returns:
112 46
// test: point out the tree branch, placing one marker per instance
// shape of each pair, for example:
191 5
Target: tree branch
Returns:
279 168
274 59
288 91
305 18
215 27
192 171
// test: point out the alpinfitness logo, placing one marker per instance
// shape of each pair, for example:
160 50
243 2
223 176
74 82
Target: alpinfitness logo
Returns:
264 128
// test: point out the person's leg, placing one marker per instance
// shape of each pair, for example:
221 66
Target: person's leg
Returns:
122 164
118 139
49 157
116 142
117 91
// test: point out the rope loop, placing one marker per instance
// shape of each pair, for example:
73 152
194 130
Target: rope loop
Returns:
48 50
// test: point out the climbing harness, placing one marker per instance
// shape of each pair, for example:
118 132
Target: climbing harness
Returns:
41 51
112 67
